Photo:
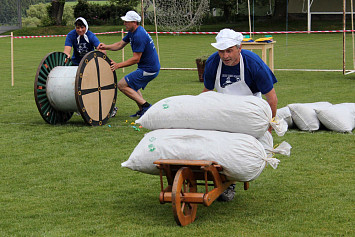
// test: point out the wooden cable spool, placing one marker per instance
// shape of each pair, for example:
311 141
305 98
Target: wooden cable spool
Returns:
61 89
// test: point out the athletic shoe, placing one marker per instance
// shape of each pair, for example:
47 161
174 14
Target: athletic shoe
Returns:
144 109
114 112
228 194
138 113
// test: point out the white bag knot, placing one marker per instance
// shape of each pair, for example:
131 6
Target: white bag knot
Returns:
272 161
279 125
284 149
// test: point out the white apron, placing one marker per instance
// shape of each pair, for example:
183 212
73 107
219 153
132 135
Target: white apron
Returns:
237 88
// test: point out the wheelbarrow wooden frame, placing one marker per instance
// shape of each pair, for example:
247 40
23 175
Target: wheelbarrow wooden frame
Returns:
181 189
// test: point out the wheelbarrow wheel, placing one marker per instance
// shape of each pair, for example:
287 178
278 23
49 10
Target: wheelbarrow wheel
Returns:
184 182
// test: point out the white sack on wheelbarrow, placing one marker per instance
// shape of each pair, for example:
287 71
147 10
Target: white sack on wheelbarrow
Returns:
242 156
213 111
268 143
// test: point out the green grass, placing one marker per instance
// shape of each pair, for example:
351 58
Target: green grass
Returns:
66 180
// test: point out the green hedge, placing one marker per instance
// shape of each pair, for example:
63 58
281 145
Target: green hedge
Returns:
100 14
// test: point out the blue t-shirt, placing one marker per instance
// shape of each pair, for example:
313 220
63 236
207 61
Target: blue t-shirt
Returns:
141 42
257 74
79 50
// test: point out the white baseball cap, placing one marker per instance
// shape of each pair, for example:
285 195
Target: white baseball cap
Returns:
227 38
131 16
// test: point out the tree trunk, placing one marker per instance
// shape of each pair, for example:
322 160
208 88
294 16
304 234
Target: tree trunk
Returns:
227 12
57 11
280 9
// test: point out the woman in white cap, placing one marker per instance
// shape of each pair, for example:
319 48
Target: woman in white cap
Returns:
233 70
144 54
81 40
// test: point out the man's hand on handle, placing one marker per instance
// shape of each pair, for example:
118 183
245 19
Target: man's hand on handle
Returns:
114 65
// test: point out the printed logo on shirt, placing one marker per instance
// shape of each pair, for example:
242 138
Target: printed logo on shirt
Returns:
229 79
150 40
82 49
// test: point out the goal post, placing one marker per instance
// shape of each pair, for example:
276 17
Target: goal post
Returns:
345 71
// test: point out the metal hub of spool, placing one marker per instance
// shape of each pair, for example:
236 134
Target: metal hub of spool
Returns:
61 89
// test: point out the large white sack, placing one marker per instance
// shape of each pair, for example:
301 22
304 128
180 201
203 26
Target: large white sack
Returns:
212 111
339 117
285 114
304 115
268 143
242 156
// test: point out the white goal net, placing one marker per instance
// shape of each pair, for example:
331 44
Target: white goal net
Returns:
176 15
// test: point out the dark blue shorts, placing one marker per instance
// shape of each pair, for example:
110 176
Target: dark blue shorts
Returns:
139 79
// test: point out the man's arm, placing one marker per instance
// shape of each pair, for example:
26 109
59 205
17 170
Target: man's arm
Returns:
271 98
96 43
114 47
131 61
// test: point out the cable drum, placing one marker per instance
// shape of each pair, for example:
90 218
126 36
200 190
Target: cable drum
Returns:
61 89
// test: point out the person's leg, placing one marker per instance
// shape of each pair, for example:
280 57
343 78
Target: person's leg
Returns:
131 84
139 112
132 94
228 194
137 96
140 94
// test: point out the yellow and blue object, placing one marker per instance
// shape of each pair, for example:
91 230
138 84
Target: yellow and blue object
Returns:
246 38
265 39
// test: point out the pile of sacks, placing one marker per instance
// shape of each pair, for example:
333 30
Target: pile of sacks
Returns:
310 116
231 130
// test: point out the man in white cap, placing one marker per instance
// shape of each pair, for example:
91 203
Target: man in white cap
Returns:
144 54
233 70
81 40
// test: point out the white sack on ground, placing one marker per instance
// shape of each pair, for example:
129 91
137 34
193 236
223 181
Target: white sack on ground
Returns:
285 114
304 115
268 143
210 111
242 156
339 117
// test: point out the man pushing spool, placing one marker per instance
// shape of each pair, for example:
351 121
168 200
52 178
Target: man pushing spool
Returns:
144 54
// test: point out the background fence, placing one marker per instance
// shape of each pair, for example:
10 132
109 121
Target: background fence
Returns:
296 51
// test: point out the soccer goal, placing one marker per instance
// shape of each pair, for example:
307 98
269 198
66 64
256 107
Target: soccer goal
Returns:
345 71
175 15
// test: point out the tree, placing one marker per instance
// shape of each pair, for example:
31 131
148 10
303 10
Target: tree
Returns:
55 11
131 3
227 6
280 9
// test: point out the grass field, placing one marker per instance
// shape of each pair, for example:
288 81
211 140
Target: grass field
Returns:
66 180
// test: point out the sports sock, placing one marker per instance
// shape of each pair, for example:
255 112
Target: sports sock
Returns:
146 104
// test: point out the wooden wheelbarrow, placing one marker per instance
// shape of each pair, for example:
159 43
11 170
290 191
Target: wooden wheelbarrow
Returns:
182 191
